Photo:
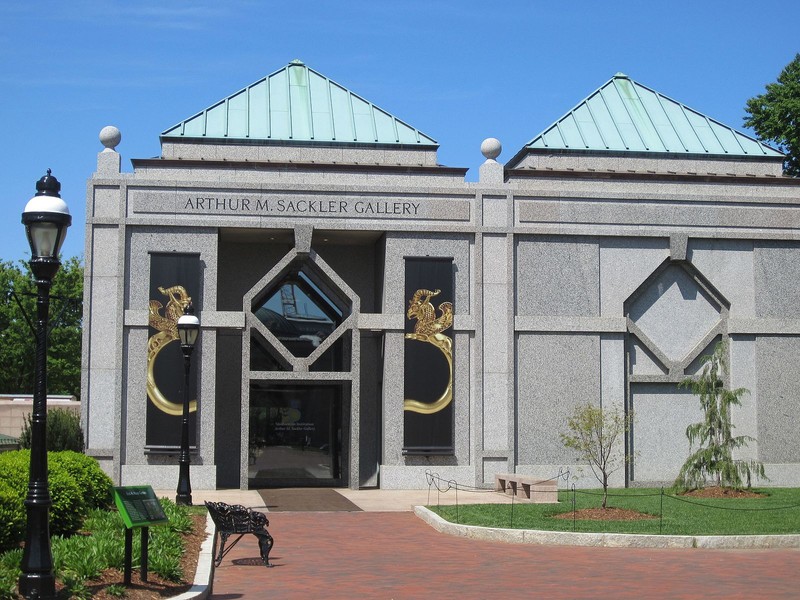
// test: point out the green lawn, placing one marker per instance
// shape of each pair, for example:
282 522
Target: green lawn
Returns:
778 512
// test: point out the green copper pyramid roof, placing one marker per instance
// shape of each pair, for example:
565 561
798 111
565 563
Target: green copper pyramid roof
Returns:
625 116
296 103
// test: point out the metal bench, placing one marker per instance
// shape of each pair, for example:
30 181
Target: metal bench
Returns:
234 519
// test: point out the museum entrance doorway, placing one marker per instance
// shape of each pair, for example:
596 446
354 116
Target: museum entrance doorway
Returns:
295 435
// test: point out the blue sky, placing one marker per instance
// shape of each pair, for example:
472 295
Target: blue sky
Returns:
460 71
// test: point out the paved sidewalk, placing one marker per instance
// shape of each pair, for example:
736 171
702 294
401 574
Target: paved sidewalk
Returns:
395 555
386 552
367 500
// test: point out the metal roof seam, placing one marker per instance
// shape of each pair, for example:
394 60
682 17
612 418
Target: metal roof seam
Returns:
691 127
611 114
289 102
719 141
579 129
310 104
650 118
374 124
352 115
660 98
563 138
599 129
329 90
623 99
247 110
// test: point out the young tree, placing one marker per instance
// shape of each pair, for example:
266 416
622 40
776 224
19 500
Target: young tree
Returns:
775 115
594 432
17 341
713 460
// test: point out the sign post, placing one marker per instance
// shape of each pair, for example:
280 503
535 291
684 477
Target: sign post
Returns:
138 507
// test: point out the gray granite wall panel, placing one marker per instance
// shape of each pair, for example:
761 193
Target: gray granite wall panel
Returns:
625 262
778 406
642 361
99 426
106 202
674 313
728 265
495 211
743 374
612 389
392 401
555 374
557 276
662 411
776 266
497 327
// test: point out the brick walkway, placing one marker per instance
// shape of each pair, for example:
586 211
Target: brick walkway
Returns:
397 556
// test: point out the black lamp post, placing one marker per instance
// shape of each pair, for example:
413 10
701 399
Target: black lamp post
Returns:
188 330
46 219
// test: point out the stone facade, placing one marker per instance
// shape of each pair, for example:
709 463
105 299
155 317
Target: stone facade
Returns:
579 277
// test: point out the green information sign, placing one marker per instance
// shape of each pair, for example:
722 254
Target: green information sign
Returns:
139 506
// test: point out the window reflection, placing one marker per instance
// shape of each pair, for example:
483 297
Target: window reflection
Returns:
299 314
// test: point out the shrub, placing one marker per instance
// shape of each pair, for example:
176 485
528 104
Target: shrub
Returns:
12 516
94 484
63 431
69 508
15 469
9 574
68 505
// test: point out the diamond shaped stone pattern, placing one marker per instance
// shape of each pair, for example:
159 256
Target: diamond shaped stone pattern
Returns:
674 313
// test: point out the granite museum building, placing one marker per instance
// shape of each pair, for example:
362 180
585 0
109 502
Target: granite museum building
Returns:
367 314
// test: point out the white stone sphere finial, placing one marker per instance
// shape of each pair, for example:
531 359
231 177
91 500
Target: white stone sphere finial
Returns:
110 137
491 148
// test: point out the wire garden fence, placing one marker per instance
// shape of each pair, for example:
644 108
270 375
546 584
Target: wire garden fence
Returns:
659 512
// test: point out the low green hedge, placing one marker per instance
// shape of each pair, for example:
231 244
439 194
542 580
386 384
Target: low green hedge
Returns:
12 516
94 484
77 484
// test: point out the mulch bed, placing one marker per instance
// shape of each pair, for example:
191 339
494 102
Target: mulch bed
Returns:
720 492
621 514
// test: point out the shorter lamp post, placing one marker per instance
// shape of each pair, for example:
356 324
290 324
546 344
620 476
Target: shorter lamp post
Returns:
188 330
46 219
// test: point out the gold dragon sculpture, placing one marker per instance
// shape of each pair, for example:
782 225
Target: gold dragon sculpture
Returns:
429 329
167 327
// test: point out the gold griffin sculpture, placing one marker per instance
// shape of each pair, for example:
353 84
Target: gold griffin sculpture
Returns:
429 329
167 327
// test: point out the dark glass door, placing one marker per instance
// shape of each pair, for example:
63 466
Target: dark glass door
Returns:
295 435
